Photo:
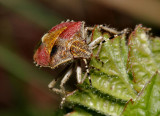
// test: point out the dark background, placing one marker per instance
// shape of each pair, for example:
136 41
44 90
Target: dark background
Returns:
23 87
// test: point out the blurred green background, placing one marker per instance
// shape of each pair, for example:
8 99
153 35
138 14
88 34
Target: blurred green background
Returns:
23 87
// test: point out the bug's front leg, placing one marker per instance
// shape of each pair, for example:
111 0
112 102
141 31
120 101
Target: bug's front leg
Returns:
65 78
51 86
111 30
63 81
98 41
114 31
95 42
85 34
62 89
87 73
79 72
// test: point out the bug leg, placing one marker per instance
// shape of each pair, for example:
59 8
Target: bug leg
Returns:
64 98
62 102
99 49
95 42
101 40
86 30
64 80
114 31
124 31
52 83
79 72
111 30
87 72
51 86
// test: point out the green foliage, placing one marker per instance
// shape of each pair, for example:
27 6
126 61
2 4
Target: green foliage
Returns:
141 62
155 47
148 101
121 73
96 101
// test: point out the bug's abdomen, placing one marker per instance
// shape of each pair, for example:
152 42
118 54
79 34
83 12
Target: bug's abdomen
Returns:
80 49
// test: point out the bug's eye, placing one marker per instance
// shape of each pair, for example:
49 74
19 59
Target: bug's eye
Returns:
54 50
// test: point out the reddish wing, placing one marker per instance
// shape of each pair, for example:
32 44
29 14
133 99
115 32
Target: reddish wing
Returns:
65 24
71 30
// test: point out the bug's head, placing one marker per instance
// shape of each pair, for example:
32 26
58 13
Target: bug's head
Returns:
42 55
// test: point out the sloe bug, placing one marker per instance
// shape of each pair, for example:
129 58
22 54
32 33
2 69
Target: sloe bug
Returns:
68 42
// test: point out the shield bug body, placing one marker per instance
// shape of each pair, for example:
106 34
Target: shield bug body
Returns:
63 43
67 42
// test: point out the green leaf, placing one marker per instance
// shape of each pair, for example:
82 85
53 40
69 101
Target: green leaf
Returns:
95 101
155 47
148 101
141 62
124 49
111 85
